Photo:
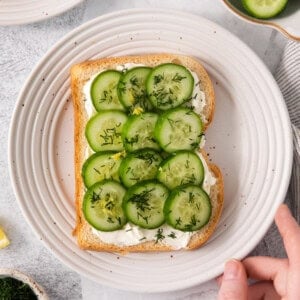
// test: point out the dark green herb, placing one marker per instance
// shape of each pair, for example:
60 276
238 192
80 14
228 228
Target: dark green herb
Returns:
109 205
172 235
132 141
134 81
107 96
95 197
159 235
110 220
13 289
145 218
97 171
158 78
178 78
192 224
110 134
141 200
178 222
147 157
191 197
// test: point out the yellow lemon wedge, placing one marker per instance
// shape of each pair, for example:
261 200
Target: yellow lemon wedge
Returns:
4 241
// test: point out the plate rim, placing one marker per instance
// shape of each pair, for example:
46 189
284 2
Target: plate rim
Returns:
37 18
74 33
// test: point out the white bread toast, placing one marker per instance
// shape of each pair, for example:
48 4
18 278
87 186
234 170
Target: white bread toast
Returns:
83 72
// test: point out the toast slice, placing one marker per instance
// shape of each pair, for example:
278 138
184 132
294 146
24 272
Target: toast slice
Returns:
83 72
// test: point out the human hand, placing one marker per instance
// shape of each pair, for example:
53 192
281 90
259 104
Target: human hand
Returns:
277 278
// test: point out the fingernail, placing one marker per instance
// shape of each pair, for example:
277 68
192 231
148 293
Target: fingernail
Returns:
231 270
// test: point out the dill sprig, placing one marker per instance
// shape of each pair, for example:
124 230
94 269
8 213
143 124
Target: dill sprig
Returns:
141 200
110 134
159 235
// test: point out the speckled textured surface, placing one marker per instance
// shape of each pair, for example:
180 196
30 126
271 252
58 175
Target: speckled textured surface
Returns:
21 47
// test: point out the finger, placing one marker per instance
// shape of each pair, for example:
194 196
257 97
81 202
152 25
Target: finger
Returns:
290 232
264 268
219 280
234 282
262 290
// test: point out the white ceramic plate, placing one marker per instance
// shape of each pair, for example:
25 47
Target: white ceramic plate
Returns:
249 139
15 12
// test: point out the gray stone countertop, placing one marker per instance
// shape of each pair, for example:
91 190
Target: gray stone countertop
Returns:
21 47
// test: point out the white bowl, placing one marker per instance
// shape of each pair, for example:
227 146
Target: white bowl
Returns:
287 22
36 288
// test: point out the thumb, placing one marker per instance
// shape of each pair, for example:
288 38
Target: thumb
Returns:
234 282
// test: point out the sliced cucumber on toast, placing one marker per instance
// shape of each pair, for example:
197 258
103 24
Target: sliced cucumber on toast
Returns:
188 208
138 132
132 89
178 129
182 168
103 131
138 166
169 85
104 92
100 166
144 202
102 205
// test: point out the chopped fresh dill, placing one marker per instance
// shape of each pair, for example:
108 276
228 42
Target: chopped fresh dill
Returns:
159 235
178 78
95 197
107 97
187 164
134 81
109 205
178 222
141 200
193 222
110 134
158 78
119 220
145 218
97 171
133 140
172 235
147 157
191 197
110 220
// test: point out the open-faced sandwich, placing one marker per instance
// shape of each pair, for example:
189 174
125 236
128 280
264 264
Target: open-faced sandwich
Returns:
143 181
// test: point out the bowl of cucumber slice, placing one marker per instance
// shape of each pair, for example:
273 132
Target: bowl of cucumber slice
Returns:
283 15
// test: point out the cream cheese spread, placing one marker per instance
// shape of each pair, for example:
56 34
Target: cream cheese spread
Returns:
132 234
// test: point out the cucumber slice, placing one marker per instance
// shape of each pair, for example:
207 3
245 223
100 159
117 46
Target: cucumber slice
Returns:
103 131
178 129
102 205
144 202
138 132
182 168
138 166
169 85
104 91
132 89
101 166
188 208
264 9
